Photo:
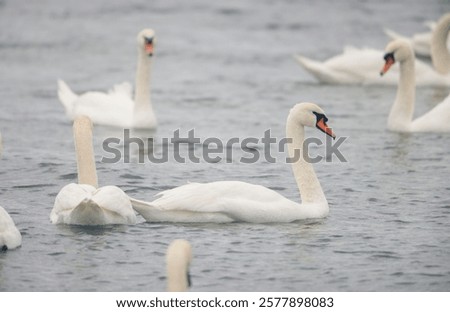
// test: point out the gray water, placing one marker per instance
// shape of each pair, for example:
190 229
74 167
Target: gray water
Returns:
225 69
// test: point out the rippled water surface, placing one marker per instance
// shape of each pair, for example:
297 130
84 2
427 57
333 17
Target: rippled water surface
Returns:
225 69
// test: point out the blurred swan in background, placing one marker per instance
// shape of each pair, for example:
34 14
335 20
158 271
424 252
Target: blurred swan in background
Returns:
84 203
228 201
360 66
402 111
421 42
10 236
117 108
178 261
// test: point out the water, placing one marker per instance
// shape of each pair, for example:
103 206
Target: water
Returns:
226 70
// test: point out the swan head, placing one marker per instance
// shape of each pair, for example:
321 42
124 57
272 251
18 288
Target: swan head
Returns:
311 115
398 50
146 41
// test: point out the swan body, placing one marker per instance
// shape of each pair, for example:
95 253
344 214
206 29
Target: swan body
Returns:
228 201
118 108
85 203
361 66
178 261
401 115
10 236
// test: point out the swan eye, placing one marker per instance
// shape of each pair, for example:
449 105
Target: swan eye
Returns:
320 116
389 56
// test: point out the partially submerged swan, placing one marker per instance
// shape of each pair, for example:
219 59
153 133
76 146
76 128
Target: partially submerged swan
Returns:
117 108
85 203
402 111
178 260
228 201
10 236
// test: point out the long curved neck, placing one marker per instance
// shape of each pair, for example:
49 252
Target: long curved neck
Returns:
402 111
142 92
440 56
87 173
305 176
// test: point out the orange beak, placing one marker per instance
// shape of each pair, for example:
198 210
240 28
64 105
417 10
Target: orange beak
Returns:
389 62
321 124
149 48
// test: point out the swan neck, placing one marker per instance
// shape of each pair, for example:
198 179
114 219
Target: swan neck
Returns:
305 176
402 111
177 273
440 55
87 173
142 93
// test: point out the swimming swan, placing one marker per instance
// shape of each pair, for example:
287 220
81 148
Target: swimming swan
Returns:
10 236
84 203
228 201
400 117
117 107
178 260
360 66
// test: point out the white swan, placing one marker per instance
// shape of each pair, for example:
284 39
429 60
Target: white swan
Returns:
400 117
420 42
360 66
228 201
84 203
117 108
10 236
178 260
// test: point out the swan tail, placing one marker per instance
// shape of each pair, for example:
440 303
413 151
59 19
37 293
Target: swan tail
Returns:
66 96
317 69
141 206
392 34
88 212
